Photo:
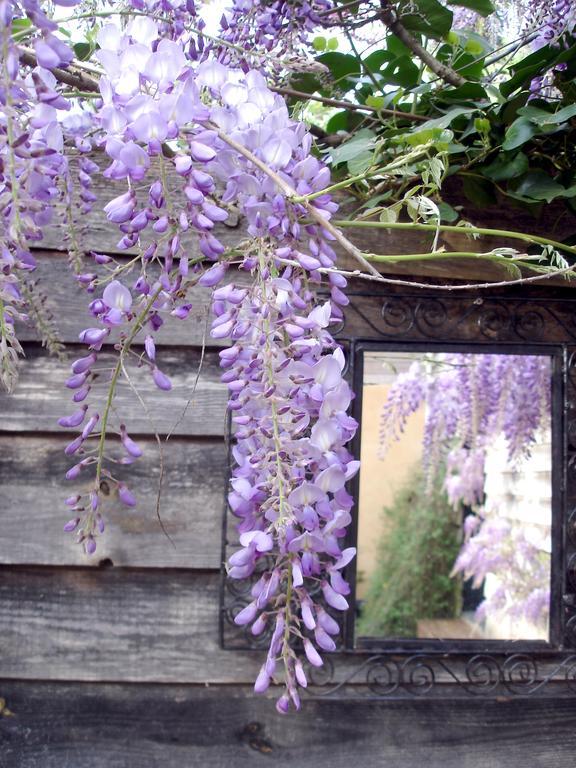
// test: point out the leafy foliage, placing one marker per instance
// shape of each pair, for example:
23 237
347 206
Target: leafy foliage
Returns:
415 556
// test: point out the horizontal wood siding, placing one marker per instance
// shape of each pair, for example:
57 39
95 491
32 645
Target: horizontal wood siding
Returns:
111 624
151 726
32 510
41 396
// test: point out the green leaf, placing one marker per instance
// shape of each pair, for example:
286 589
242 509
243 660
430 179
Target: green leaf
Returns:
428 17
360 163
468 92
521 131
543 118
362 142
505 167
344 68
319 43
480 192
445 120
83 51
338 122
375 101
483 7
401 71
537 185
447 213
332 44
377 59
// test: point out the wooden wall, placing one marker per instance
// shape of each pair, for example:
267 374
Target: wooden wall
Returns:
115 662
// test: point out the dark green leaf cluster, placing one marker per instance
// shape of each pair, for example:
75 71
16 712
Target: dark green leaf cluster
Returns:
416 554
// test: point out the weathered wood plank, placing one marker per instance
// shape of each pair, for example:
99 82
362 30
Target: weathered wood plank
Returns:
111 624
58 284
101 235
90 726
32 512
41 396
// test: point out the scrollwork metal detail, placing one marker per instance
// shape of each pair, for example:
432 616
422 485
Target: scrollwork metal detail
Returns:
422 675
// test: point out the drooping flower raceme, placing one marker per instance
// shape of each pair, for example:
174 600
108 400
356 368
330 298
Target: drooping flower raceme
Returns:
231 145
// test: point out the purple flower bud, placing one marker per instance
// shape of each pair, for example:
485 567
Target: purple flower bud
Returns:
194 195
262 681
246 615
75 419
182 312
131 447
201 153
84 364
121 208
76 381
94 337
213 276
73 447
161 380
90 424
74 471
324 640
259 625
307 615
71 501
126 496
312 654
90 545
81 394
333 598
71 525
150 347
299 672
283 704
100 258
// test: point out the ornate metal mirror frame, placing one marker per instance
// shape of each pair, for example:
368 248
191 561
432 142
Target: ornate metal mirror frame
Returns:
519 320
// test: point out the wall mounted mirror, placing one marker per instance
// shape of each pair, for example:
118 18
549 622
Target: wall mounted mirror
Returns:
455 496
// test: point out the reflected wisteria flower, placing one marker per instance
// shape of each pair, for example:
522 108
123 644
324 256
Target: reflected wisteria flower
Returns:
471 401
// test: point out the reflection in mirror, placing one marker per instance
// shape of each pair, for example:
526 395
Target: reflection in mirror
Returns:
455 496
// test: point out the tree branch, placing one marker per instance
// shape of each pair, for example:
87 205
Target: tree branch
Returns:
391 19
398 113
73 78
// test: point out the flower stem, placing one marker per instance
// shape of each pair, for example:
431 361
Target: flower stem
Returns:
526 237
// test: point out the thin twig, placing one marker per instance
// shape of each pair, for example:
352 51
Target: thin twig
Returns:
391 19
443 287
198 372
398 113
160 451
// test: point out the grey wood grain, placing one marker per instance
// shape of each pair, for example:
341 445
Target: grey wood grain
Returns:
141 726
41 397
32 512
68 303
113 624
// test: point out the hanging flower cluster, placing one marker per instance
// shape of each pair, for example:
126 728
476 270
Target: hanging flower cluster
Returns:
31 164
471 401
281 26
188 141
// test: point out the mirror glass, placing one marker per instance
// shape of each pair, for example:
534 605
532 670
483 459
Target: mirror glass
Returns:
455 496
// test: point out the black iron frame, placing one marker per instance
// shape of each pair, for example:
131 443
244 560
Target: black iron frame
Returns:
509 321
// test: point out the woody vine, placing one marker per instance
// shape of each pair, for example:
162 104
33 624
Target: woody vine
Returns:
161 99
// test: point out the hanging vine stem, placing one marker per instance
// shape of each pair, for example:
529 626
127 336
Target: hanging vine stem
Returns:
465 230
